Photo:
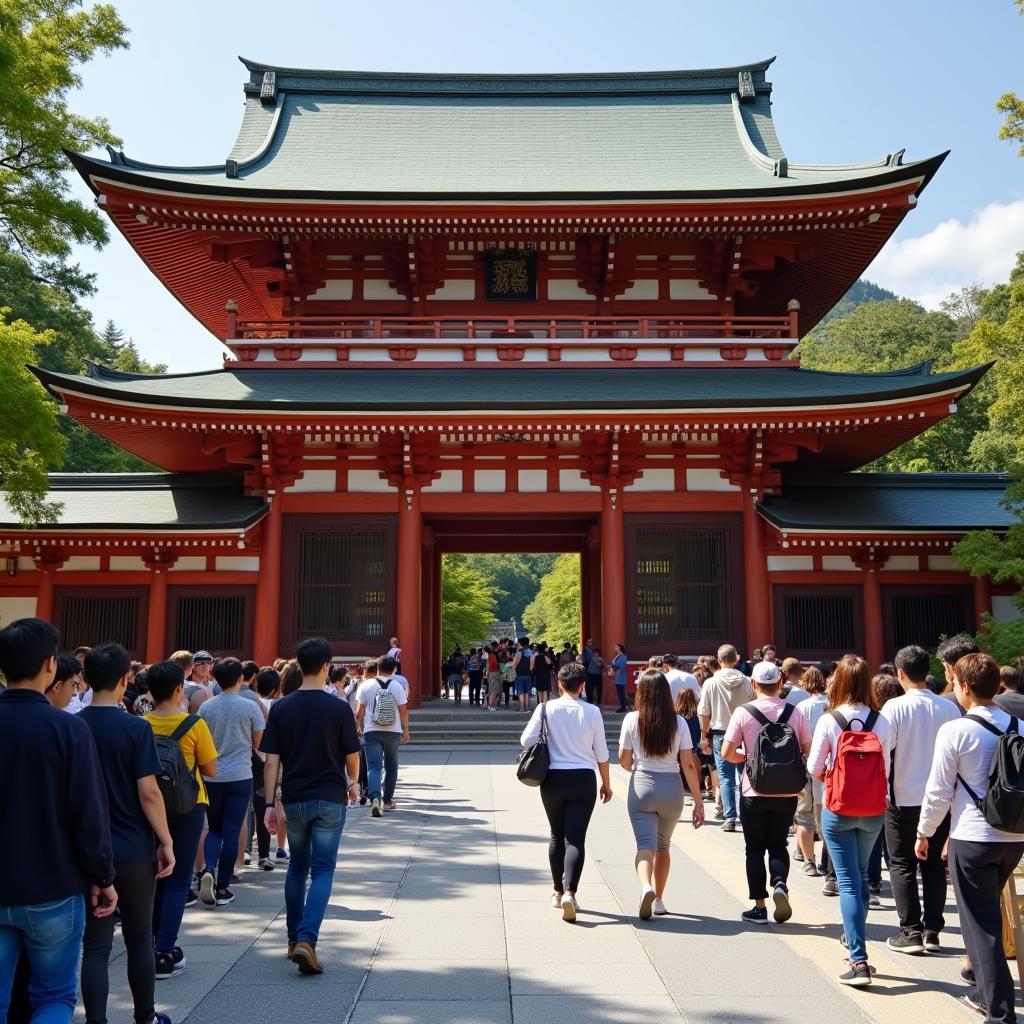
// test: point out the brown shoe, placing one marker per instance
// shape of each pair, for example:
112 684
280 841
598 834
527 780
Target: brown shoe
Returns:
291 949
305 956
389 805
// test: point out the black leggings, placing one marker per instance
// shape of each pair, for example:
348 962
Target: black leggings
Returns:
568 795
594 689
136 886
259 806
766 821
475 679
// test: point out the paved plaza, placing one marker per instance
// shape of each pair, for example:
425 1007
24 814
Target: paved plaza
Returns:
440 914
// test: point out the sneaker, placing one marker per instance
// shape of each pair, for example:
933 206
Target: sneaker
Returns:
810 869
166 967
192 898
646 905
247 859
856 975
282 854
780 898
160 1018
556 900
569 907
931 942
875 889
874 900
830 888
389 805
266 864
178 956
375 808
967 973
305 956
234 880
906 942
972 997
659 908
729 825
207 884
798 855
719 814
755 915
224 896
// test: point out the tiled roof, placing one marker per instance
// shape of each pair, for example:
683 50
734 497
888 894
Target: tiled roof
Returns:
147 502
849 502
356 134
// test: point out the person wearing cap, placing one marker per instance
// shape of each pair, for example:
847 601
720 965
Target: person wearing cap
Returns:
199 685
766 818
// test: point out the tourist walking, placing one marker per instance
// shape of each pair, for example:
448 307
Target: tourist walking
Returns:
679 679
808 805
56 856
313 736
543 667
656 747
382 717
720 696
981 857
775 741
198 761
138 827
594 666
522 667
475 671
493 677
853 762
576 747
236 725
915 719
617 670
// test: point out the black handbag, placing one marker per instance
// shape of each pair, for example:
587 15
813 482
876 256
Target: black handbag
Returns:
532 769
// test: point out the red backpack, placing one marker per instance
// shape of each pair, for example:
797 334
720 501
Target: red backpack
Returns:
855 784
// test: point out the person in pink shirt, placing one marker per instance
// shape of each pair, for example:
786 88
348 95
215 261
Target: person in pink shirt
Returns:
767 816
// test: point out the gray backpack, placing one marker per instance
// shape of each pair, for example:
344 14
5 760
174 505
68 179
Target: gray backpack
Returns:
385 707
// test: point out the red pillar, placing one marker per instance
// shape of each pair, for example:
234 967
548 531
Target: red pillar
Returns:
44 595
982 598
613 570
409 594
156 628
428 640
755 571
874 625
268 589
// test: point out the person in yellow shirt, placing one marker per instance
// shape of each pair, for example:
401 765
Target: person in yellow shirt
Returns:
167 687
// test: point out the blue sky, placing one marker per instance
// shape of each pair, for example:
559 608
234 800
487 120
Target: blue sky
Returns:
852 81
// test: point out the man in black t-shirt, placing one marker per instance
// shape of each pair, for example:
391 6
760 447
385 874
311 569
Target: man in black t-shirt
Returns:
313 735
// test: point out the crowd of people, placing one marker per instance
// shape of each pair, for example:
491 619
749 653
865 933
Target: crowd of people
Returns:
135 792
894 764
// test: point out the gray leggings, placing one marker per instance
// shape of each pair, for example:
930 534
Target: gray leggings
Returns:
655 805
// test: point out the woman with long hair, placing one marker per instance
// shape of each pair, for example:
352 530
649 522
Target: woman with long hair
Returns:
576 748
851 836
655 745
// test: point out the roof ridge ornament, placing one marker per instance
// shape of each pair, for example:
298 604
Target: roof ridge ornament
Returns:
745 86
268 88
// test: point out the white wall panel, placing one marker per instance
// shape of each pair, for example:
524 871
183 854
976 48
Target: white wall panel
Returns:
12 608
316 481
368 481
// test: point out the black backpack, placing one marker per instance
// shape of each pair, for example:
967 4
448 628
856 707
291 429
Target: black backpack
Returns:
178 785
1002 806
776 764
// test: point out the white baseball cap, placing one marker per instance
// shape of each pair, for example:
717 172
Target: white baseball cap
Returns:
766 673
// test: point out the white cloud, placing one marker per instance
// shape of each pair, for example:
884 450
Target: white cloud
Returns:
952 254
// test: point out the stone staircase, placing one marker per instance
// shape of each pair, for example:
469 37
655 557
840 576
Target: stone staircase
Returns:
442 723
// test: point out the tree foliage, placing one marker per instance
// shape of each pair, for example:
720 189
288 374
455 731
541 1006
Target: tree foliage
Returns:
554 614
467 603
1012 107
513 579
43 44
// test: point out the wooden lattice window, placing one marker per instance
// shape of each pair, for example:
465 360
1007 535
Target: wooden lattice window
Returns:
684 580
819 622
215 619
87 616
923 615
341 581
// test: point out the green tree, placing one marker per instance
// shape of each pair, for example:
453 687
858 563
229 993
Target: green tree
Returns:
554 615
1012 106
43 44
467 603
29 441
514 580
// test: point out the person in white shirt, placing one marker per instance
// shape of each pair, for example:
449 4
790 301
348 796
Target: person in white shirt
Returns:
851 838
576 747
679 679
914 722
655 746
382 741
981 858
792 673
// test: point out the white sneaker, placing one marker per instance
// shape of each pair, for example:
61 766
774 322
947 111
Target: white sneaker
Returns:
375 808
569 907
556 900
646 903
659 908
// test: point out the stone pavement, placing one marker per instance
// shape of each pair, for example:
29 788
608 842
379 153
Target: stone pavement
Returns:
440 914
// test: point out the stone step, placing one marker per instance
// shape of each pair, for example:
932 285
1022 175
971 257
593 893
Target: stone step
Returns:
454 726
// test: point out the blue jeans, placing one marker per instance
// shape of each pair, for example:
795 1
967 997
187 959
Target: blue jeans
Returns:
171 892
850 844
51 936
314 835
381 759
229 802
728 777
